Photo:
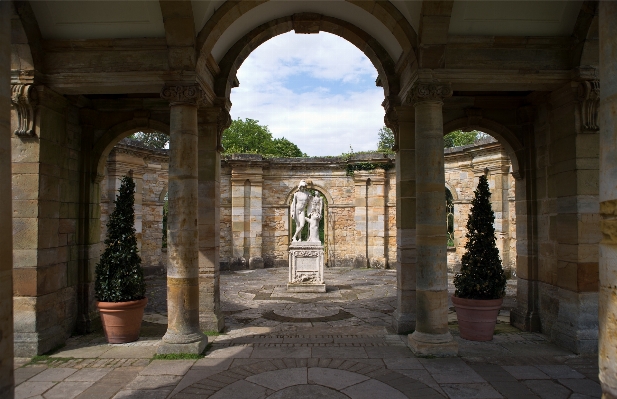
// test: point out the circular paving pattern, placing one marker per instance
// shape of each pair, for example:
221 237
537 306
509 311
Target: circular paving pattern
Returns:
276 316
307 379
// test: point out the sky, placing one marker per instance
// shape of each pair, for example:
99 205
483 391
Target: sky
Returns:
318 91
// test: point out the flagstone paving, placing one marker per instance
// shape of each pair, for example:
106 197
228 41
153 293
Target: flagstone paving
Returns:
280 345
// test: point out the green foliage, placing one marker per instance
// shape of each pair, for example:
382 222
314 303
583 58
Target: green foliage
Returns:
481 275
248 137
119 276
386 140
153 140
353 167
458 138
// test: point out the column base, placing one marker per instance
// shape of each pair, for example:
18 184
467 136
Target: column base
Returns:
439 345
193 344
403 323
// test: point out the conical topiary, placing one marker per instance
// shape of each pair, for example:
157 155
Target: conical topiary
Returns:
481 275
119 276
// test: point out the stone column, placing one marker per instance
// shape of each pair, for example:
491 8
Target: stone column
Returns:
361 189
431 336
212 122
183 333
404 318
6 238
608 200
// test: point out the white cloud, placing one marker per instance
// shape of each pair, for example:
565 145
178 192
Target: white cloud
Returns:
321 121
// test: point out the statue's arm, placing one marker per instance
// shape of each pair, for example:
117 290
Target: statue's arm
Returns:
293 207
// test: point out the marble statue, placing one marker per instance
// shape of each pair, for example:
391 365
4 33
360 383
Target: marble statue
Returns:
298 206
314 216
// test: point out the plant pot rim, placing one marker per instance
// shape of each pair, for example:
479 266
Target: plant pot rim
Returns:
123 305
470 301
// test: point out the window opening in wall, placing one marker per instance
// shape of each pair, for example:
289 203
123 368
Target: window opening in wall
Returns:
450 217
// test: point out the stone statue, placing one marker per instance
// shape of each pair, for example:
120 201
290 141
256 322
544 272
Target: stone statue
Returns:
314 216
298 206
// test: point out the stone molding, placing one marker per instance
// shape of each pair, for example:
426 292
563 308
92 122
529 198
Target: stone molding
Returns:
589 102
223 121
306 23
24 98
422 92
182 94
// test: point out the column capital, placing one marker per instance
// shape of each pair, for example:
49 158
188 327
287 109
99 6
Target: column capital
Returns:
182 94
423 92
589 101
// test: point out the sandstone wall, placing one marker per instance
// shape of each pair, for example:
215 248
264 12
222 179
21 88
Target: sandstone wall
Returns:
256 194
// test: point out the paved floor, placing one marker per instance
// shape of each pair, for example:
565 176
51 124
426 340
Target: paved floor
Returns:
334 345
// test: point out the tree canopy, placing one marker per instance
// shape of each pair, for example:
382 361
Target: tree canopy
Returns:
386 140
249 137
153 140
458 138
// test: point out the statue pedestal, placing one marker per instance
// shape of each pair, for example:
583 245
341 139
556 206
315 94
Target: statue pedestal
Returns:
306 263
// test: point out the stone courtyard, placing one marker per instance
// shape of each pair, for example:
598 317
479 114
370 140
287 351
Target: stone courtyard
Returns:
333 345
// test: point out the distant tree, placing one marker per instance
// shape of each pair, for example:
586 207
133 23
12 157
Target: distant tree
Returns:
153 140
249 137
458 138
386 140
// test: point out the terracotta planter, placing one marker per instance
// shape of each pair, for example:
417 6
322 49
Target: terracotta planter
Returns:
477 317
122 320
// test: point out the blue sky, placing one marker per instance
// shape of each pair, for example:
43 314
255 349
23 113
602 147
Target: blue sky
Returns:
316 90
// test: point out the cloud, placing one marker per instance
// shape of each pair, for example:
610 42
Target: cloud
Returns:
316 90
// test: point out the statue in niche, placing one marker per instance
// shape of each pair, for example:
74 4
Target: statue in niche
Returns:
298 205
314 216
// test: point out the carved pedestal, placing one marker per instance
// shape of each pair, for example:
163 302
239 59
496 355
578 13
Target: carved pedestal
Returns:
306 263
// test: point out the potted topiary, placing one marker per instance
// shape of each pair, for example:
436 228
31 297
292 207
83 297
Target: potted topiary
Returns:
119 286
481 283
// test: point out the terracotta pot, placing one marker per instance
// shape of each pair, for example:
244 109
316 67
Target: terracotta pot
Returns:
122 320
477 317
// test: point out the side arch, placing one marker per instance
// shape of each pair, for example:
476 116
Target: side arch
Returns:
452 191
514 148
113 135
235 56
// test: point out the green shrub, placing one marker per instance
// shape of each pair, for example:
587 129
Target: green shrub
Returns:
481 275
119 276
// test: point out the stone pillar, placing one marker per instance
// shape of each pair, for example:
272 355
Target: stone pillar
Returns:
183 334
370 188
404 318
212 122
361 190
6 238
608 200
431 336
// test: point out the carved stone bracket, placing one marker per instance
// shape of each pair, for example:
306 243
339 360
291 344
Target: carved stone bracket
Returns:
306 23
589 102
182 94
223 121
429 92
390 119
24 99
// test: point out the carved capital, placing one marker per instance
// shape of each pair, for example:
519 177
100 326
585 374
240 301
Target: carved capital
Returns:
429 92
589 101
182 94
24 99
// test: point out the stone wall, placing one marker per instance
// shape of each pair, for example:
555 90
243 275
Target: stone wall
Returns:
256 193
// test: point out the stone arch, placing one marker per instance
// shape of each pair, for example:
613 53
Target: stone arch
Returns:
229 12
452 191
113 135
235 56
312 186
514 148
164 193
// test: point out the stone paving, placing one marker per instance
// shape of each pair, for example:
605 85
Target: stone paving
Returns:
334 345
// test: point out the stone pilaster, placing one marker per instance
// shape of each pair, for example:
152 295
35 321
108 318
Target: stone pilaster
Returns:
183 333
608 200
7 384
212 121
247 212
573 154
431 336
404 318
